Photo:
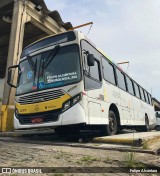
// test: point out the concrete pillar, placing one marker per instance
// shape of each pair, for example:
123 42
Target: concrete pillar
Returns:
24 11
15 48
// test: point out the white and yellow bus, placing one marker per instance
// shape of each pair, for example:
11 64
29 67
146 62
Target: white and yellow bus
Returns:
65 82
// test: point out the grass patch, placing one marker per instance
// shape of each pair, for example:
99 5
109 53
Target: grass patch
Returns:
87 159
63 155
58 174
130 159
17 164
78 162
42 161
145 145
107 160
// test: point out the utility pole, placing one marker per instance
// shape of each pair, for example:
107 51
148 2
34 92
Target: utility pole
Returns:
82 25
120 63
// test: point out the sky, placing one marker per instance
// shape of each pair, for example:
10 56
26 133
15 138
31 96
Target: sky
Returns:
126 30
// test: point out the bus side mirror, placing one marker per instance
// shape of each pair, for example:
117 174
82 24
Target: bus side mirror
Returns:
90 60
11 75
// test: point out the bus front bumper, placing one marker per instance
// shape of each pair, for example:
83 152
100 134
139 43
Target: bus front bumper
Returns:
74 115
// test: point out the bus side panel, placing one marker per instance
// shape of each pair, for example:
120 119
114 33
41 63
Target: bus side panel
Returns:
144 109
137 111
112 96
127 108
95 106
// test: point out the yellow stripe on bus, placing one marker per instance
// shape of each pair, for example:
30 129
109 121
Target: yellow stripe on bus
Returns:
43 106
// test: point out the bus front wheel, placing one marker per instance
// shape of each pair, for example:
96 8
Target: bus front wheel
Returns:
112 127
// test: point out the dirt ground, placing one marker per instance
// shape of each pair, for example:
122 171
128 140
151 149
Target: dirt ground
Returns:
38 155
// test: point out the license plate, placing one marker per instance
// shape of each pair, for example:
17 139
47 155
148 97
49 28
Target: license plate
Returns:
37 120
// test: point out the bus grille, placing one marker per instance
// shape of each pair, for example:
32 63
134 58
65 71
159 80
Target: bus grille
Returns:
50 116
40 97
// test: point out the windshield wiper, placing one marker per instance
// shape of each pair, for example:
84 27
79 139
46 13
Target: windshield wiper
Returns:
35 70
51 56
31 63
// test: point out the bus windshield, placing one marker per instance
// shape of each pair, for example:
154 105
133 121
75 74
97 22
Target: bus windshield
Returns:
53 40
63 69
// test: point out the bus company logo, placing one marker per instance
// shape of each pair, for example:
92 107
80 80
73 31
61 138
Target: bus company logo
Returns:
38 100
36 108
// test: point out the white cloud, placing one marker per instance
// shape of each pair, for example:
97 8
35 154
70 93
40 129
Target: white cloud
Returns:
112 2
156 73
54 5
125 30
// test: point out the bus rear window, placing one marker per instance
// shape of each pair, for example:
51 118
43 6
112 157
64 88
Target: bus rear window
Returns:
57 39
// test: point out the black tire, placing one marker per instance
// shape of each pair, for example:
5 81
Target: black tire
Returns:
146 127
157 128
60 131
112 127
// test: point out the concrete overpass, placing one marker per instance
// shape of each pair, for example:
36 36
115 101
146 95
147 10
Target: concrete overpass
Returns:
21 23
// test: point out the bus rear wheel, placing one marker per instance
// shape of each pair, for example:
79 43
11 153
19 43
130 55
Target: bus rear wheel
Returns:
112 127
146 127
157 128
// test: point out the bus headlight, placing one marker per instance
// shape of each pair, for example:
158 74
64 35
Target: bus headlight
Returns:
71 102
67 105
76 99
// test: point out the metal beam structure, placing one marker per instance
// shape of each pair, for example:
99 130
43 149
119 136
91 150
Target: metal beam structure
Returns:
25 21
156 104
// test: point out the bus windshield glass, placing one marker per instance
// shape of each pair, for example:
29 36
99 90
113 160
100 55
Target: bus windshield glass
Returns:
63 68
57 39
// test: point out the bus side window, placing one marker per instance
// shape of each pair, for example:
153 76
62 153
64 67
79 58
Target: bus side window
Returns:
148 98
108 71
92 74
142 94
136 87
130 85
121 80
145 93
95 71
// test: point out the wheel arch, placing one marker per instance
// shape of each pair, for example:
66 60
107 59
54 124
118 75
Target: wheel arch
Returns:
146 116
114 108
